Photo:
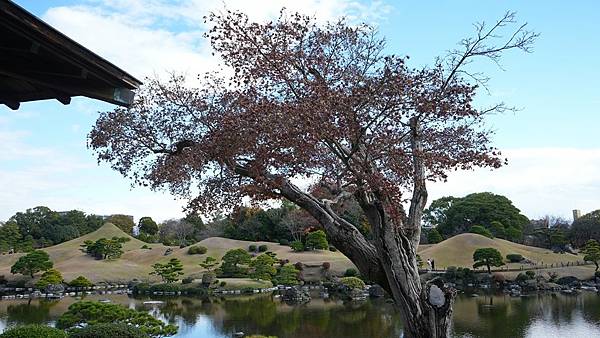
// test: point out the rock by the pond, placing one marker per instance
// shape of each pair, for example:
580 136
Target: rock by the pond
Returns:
296 295
376 291
436 296
548 286
54 288
357 294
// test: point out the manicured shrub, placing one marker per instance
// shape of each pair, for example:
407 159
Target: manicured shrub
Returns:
317 240
222 284
145 246
351 273
197 250
85 313
297 246
262 248
80 282
33 331
352 282
286 275
49 277
299 266
530 274
252 248
284 242
187 280
514 258
332 248
108 330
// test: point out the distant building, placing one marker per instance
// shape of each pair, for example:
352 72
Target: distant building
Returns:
106 217
576 214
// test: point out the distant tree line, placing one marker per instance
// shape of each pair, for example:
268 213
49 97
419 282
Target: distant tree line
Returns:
495 216
484 213
41 227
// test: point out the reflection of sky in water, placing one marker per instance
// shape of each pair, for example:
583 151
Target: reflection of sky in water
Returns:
202 328
576 327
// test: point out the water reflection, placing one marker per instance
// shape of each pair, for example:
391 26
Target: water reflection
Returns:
538 316
533 316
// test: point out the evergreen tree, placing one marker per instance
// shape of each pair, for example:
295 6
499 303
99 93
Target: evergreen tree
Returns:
32 263
487 257
317 240
170 271
592 252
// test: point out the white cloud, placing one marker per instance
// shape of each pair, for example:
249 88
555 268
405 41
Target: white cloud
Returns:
149 38
539 181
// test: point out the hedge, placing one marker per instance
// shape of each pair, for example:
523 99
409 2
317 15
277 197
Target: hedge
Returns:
33 331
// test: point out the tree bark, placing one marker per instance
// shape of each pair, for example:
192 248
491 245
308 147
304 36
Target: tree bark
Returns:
426 309
389 260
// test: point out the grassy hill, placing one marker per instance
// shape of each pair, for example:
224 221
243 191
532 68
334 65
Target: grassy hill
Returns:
458 251
136 262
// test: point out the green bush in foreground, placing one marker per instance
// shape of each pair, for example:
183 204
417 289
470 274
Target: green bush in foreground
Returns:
92 313
352 282
108 330
33 331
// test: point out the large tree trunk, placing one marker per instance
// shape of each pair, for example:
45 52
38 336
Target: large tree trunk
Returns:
389 260
426 308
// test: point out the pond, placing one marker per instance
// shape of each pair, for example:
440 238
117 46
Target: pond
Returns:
484 316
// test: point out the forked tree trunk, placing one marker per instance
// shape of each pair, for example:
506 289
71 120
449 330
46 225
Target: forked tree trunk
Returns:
390 261
426 308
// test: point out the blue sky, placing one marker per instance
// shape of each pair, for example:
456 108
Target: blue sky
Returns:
552 143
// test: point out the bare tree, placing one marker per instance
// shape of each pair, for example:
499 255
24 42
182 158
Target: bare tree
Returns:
178 229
